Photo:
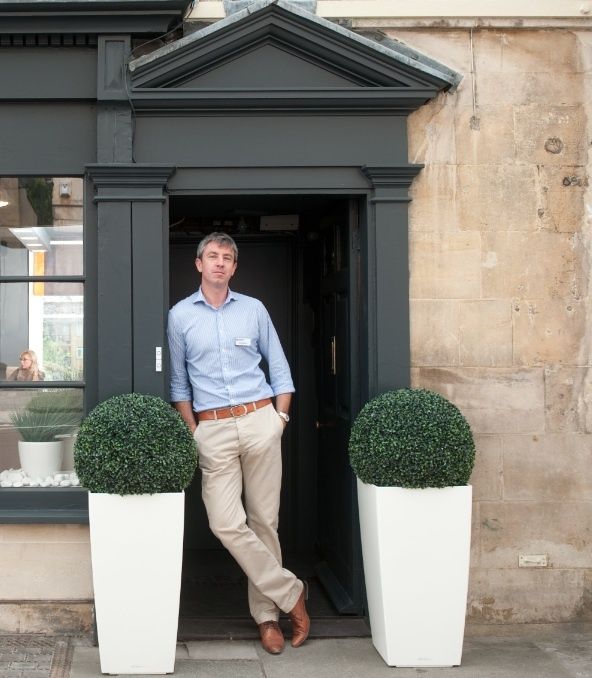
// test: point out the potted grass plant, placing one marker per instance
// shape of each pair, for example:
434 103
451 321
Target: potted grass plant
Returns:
135 455
413 452
48 415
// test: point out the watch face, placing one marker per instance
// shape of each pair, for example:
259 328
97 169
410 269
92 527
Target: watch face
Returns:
284 416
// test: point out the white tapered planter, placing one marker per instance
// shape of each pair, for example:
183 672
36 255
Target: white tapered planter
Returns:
416 550
137 551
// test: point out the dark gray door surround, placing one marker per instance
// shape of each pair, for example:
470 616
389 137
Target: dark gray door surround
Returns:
270 100
275 100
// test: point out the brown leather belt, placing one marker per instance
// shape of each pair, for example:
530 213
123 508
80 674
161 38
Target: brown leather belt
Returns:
234 411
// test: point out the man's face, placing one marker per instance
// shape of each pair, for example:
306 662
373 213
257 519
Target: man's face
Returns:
217 265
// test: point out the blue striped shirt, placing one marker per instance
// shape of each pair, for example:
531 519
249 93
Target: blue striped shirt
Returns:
215 352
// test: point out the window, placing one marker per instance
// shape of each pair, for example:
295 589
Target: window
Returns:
41 331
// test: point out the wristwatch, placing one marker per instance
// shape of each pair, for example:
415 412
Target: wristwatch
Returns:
284 415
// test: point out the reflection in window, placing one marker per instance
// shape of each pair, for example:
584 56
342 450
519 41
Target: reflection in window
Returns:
41 235
41 329
42 323
37 433
40 226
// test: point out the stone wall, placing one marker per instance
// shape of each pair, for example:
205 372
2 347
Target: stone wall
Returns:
46 583
500 306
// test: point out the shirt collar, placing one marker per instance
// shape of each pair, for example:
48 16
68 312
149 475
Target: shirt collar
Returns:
198 296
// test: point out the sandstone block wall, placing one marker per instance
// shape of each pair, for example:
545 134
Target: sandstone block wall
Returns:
46 582
500 247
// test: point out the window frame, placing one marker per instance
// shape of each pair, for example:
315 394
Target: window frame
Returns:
56 504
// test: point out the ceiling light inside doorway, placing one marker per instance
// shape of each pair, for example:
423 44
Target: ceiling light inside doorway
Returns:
279 222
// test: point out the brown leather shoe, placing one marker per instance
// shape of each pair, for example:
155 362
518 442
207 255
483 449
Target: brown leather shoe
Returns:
272 637
300 620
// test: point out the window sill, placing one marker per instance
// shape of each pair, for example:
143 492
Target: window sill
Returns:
43 505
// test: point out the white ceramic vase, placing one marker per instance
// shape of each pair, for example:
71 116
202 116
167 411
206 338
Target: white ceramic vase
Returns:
40 459
416 549
137 551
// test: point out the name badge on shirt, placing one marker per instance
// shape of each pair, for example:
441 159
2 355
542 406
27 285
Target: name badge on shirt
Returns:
242 341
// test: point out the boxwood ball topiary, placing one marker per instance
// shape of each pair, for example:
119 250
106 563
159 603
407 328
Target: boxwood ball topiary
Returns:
134 444
411 438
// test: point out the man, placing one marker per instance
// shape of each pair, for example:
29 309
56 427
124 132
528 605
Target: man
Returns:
216 341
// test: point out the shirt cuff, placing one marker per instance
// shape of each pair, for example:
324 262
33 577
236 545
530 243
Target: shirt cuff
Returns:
283 388
180 396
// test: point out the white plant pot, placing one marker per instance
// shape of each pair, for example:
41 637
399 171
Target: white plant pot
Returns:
137 551
416 550
40 459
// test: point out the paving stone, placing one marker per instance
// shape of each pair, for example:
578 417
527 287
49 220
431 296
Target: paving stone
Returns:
181 651
496 651
44 663
85 662
222 650
236 669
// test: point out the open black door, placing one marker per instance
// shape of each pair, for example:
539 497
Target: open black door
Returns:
339 568
305 278
265 271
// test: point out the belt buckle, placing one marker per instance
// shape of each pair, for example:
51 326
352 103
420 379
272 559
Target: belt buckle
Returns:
242 414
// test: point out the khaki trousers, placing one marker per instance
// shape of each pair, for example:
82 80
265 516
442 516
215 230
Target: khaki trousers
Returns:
243 454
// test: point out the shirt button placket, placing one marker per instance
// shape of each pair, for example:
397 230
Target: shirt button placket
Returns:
222 343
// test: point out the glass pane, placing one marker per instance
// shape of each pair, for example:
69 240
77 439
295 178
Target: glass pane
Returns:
41 335
37 433
41 226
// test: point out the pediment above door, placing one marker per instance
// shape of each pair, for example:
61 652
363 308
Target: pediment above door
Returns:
275 56
269 65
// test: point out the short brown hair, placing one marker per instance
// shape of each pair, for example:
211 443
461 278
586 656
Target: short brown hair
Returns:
222 239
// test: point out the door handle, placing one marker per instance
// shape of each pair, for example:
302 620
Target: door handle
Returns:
333 355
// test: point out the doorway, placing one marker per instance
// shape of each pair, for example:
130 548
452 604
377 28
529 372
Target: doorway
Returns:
298 254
